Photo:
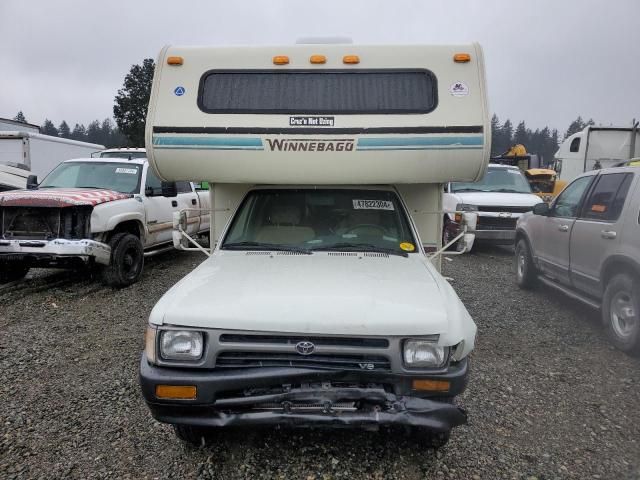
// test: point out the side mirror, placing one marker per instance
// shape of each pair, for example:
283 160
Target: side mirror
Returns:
169 189
32 182
541 209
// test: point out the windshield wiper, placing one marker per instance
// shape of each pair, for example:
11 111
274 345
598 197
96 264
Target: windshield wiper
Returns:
265 246
468 190
360 247
507 190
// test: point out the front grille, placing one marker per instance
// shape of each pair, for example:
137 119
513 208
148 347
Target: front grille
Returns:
496 223
45 223
317 341
325 362
496 208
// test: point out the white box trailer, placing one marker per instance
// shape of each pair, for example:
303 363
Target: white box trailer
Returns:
39 153
594 148
318 304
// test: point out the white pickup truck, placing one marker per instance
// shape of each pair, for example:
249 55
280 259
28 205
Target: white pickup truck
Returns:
103 212
499 199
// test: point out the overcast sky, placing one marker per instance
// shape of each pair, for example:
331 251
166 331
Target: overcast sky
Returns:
547 60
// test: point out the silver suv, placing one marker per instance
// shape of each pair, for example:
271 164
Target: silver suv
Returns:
587 244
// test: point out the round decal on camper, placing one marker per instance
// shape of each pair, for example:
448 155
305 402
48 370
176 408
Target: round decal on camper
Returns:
407 246
459 89
179 91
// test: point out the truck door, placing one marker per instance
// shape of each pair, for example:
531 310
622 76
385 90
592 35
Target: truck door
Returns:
596 232
187 198
159 210
554 254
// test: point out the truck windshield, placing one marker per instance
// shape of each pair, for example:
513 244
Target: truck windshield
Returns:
120 177
321 220
508 180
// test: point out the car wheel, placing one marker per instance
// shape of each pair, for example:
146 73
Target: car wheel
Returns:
12 272
127 260
621 312
430 439
448 234
196 436
526 274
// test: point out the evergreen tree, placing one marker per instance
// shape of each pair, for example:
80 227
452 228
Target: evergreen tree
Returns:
94 134
576 126
79 133
48 128
521 135
507 135
131 102
20 117
63 130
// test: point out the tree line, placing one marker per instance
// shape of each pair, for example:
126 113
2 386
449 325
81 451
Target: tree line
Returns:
541 141
104 133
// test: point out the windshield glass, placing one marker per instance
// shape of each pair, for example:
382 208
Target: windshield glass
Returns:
496 180
128 155
321 219
120 177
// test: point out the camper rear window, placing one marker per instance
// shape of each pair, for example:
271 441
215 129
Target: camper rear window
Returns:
318 92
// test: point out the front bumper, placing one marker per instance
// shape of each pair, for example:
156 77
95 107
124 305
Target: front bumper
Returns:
53 252
238 397
495 236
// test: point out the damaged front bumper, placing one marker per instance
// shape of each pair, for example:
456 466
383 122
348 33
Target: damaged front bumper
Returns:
300 397
54 252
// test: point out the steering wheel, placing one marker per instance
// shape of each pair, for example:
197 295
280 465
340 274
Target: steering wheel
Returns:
366 225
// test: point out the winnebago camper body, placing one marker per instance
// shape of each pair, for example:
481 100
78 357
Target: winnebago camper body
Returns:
318 305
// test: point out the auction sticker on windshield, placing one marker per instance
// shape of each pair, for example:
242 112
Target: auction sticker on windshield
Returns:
372 205
131 171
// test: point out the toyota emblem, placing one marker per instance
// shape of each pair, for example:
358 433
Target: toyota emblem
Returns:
305 348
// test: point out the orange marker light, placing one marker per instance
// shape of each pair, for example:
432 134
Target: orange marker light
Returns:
431 385
175 60
351 59
318 59
280 60
462 58
176 392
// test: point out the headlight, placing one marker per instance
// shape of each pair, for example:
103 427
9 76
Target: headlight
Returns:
466 207
424 353
181 345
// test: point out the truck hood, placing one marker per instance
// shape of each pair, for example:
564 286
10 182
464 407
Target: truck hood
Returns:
60 197
498 199
319 293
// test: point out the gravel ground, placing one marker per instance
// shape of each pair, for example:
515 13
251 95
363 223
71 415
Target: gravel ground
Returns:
548 397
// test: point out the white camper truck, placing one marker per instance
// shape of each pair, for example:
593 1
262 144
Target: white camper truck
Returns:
318 305
596 147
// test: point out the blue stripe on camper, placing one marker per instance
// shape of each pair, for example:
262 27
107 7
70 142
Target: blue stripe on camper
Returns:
210 143
421 143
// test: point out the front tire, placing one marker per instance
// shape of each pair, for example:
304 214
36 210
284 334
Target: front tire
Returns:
430 439
621 312
127 260
11 272
526 274
196 436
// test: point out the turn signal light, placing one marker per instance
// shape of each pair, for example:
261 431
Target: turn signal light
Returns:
175 60
318 59
462 58
351 59
176 392
431 385
280 60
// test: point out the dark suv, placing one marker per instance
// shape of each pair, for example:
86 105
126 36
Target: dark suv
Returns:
587 244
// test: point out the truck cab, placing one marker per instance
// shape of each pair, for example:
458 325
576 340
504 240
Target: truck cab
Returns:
319 304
